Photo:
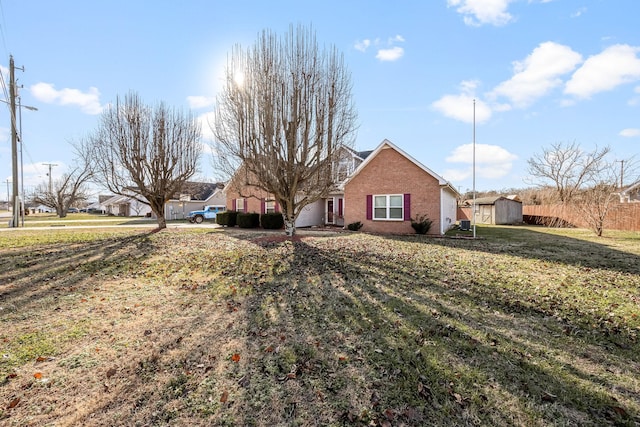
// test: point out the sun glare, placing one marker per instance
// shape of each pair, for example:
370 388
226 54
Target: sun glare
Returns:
238 78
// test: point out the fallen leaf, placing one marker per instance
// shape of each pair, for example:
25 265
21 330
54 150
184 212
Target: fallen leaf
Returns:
12 375
548 397
14 403
291 375
235 357
37 375
224 397
269 349
41 359
111 372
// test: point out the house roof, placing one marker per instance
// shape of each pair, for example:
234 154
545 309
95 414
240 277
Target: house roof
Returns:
386 143
630 188
198 190
490 200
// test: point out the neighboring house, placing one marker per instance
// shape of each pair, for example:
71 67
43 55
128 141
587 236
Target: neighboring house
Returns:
390 187
195 196
497 210
631 194
125 206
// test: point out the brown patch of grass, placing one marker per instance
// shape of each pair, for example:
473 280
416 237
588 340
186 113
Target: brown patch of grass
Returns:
523 327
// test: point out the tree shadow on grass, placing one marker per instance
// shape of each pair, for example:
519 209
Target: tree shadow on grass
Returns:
337 331
550 245
387 342
27 277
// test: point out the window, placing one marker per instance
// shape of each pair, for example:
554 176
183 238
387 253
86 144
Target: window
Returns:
388 207
270 206
240 205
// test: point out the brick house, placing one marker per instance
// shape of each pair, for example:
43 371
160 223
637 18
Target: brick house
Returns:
326 211
367 183
390 187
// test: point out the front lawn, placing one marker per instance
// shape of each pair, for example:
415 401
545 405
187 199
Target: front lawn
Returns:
525 326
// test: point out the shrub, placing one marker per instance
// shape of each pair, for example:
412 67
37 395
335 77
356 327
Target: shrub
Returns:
355 226
272 221
227 218
248 220
421 224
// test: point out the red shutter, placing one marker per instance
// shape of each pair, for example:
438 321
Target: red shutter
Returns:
262 207
407 207
339 207
369 206
276 207
233 204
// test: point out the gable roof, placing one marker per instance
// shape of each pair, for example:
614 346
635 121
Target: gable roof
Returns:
386 143
199 191
490 200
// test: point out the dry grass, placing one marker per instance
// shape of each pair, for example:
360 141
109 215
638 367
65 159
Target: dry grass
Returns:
523 327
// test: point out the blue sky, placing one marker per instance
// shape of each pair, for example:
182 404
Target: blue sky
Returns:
541 71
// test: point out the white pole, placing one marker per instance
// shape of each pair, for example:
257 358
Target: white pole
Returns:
473 212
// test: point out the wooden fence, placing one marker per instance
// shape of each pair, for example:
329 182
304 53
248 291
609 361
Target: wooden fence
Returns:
623 216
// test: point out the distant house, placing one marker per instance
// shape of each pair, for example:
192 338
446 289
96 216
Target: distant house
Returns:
195 196
390 187
120 205
497 210
630 194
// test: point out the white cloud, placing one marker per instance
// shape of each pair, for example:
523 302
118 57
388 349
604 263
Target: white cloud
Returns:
386 51
579 12
460 107
492 161
629 133
362 45
89 102
392 54
538 74
197 102
479 12
616 65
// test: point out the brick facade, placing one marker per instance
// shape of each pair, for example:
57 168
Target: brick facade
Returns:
390 172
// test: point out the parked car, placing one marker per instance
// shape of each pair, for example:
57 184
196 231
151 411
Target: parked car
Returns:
73 210
209 212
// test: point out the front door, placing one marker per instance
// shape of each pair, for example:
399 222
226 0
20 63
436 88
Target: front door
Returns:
329 211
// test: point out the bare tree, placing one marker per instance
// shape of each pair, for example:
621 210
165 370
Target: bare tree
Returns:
568 168
146 153
285 111
71 188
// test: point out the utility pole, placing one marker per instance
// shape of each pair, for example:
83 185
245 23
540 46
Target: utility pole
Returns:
14 143
50 166
621 173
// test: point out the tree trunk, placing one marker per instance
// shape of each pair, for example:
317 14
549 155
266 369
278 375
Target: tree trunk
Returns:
158 210
289 227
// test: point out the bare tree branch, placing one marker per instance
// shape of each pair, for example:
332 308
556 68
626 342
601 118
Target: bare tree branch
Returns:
146 153
282 117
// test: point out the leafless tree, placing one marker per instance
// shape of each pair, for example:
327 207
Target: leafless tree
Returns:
584 181
285 111
146 153
568 168
71 188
